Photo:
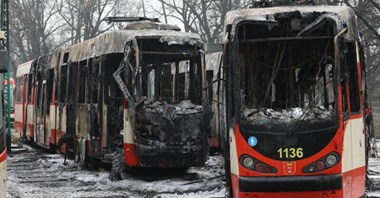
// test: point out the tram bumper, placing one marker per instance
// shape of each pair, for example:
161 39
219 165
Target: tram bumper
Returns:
170 156
290 184
288 187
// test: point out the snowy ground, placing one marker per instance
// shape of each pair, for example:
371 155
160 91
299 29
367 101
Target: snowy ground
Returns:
35 174
374 174
32 173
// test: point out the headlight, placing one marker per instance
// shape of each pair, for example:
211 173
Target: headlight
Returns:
331 159
328 161
255 165
248 162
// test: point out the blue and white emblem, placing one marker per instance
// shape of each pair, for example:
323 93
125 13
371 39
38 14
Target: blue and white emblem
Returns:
252 141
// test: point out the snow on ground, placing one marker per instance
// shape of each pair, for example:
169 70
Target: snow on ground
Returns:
35 174
374 174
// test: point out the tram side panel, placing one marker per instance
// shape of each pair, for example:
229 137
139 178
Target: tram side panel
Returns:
214 94
20 104
23 95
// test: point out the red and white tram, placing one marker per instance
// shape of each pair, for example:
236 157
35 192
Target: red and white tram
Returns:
295 101
138 90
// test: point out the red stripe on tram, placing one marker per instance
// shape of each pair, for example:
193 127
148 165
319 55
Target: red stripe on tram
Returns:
3 156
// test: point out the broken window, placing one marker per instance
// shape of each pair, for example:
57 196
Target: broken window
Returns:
38 88
72 78
19 88
82 82
209 85
50 89
94 74
281 70
162 84
63 82
30 85
350 57
343 85
168 72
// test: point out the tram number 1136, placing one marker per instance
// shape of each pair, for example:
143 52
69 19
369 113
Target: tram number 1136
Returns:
290 153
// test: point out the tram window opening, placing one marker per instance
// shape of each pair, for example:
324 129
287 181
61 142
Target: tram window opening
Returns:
88 80
160 81
82 82
30 81
209 85
49 93
181 86
72 74
63 81
183 80
66 57
286 73
345 113
112 91
167 73
168 76
56 87
167 82
38 88
94 69
351 64
19 87
302 78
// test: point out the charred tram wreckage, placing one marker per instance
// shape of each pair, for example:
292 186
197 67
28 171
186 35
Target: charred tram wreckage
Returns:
137 90
298 118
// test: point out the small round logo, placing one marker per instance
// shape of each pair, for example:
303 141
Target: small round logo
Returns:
252 141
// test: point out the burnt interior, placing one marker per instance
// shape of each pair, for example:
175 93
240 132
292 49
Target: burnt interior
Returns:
289 81
281 70
169 73
168 91
164 78
113 99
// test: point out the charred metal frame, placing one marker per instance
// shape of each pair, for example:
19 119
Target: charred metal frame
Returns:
301 36
162 126
299 128
269 127
89 98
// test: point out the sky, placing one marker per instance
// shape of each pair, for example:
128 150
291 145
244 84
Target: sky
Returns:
155 4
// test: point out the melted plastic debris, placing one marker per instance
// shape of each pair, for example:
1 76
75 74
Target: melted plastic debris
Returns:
287 115
147 25
179 40
184 107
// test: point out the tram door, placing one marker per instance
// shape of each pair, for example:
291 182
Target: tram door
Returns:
70 98
40 112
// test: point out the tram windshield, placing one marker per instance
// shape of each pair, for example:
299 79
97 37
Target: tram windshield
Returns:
169 73
286 83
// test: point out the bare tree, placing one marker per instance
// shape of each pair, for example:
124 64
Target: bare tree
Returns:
84 18
205 17
368 13
32 27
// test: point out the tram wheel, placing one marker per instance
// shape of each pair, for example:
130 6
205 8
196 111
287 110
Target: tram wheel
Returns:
117 165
